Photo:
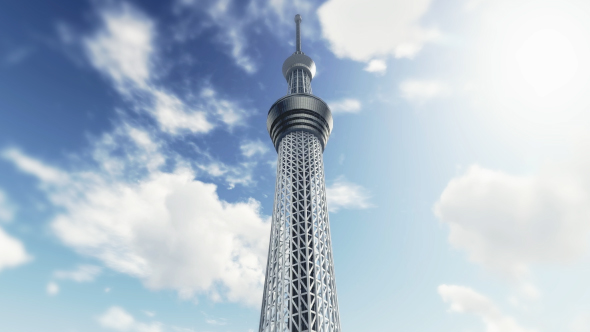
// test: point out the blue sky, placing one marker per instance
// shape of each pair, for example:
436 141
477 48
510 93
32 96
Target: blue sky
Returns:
137 175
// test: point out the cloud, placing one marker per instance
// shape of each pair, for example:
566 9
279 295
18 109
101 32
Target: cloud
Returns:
252 148
32 166
581 323
52 288
345 195
365 31
347 105
116 318
7 209
376 66
163 227
124 49
17 55
422 90
465 300
233 20
508 222
12 251
83 273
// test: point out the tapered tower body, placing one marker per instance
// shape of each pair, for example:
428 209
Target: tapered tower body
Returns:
300 288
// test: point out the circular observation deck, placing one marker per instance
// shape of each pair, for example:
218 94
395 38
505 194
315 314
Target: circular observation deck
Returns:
299 112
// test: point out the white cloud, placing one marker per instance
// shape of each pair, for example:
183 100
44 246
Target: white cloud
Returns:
12 251
369 30
422 90
116 318
347 105
507 222
52 288
165 228
233 20
215 322
124 49
345 195
174 116
7 209
83 273
252 148
581 323
32 166
376 66
466 300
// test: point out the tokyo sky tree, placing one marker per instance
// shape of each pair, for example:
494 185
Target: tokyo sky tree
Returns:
300 288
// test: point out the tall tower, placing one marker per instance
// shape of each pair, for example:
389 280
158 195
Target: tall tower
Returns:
300 289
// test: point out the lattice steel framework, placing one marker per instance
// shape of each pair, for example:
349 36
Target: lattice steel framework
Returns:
299 82
300 287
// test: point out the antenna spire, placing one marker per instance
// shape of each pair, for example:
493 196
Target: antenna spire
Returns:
298 33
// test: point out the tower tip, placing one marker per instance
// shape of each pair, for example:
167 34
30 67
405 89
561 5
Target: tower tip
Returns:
298 33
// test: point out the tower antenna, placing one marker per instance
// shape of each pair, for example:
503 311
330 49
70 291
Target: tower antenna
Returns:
298 33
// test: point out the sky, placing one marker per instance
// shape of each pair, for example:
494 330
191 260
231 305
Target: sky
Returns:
137 175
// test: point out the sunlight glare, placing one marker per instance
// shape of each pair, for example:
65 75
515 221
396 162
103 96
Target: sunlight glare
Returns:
547 61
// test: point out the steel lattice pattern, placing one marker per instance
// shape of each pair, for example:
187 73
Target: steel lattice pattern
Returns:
299 82
300 289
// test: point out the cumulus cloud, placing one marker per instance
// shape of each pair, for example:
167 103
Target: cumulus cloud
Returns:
347 105
52 288
422 90
465 300
83 273
370 30
508 222
165 228
116 318
252 148
346 195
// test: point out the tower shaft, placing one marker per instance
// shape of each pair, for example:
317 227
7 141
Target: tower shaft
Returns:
300 287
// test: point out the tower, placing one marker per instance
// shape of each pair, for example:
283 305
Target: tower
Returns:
300 288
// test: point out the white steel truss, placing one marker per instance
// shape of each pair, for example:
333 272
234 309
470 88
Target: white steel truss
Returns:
299 81
300 288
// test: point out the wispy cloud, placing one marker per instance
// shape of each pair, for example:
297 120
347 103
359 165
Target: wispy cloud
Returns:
83 273
52 288
346 195
116 318
124 49
420 91
7 208
347 105
252 148
465 300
